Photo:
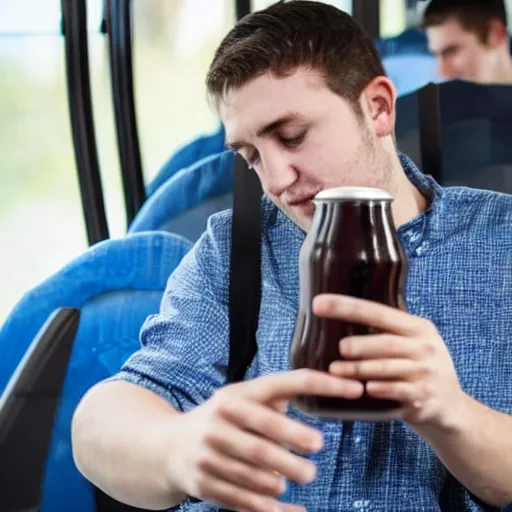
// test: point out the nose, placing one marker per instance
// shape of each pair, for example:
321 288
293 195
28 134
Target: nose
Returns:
277 171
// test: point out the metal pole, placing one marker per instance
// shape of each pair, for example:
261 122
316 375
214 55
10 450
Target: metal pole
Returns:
74 27
242 8
119 30
367 13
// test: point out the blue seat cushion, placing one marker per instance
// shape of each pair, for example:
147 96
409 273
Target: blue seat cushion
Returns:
184 203
117 284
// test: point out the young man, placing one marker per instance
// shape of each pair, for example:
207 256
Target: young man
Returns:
304 98
470 39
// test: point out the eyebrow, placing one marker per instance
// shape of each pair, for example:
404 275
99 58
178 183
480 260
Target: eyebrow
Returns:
265 130
446 50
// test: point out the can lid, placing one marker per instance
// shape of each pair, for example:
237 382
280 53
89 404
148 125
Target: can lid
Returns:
354 193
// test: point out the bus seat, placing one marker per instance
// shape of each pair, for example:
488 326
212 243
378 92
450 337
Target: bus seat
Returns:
398 68
186 156
411 41
116 284
405 52
183 204
474 122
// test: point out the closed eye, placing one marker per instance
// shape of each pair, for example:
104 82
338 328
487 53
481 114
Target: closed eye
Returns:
253 158
293 142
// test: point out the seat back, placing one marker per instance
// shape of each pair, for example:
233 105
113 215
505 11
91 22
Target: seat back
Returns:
186 156
407 60
469 133
117 284
398 68
183 204
411 41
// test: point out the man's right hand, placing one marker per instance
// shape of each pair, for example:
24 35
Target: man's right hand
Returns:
235 449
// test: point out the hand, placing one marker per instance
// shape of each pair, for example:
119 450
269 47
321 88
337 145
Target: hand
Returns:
234 449
408 362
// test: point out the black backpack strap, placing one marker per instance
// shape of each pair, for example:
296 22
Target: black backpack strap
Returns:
244 289
245 271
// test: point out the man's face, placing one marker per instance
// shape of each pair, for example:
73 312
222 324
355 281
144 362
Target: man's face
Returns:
460 53
301 138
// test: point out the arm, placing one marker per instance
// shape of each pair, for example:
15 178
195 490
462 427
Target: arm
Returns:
477 451
120 431
229 451
409 362
119 445
163 428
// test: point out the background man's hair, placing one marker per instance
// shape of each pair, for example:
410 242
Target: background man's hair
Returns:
295 34
473 15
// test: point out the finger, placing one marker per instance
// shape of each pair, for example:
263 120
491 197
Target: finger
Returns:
279 428
288 507
371 314
377 346
289 385
404 392
229 496
403 369
245 476
240 445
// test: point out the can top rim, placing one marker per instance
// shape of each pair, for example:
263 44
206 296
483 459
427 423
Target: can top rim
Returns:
359 193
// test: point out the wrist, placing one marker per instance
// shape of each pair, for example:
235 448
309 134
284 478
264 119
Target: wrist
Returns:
170 460
457 420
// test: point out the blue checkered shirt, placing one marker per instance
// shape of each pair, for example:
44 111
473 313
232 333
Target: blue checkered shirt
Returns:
459 277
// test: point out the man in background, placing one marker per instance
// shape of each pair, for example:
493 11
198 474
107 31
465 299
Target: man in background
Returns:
470 40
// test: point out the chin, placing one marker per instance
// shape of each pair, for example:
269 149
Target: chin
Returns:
303 216
303 222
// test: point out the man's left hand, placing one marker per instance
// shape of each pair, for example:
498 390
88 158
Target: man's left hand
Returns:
408 361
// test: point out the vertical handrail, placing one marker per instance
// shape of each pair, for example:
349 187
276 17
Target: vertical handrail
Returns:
119 32
367 14
242 8
74 28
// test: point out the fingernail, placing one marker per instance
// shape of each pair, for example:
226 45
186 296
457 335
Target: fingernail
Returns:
309 474
316 444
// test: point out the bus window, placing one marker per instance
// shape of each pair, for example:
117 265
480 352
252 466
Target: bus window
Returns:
393 19
44 17
41 221
174 43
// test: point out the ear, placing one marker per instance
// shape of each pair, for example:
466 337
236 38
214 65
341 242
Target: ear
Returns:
497 34
379 104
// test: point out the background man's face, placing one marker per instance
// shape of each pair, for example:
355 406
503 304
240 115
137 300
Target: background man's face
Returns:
460 53
300 138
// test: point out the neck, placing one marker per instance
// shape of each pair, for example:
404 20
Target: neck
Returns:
502 69
408 201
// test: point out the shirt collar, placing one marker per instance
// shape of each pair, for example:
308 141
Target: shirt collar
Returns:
413 234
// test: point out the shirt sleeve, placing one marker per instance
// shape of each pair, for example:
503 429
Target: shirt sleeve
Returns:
185 348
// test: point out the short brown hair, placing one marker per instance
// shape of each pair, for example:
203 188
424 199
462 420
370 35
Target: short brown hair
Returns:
300 33
473 15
